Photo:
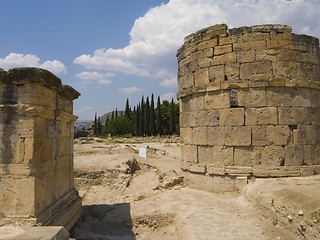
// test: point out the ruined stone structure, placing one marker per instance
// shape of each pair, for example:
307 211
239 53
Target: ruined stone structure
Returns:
249 104
36 149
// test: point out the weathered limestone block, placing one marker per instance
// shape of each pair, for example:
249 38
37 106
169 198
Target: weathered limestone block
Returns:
271 156
279 135
246 156
252 98
231 117
36 149
232 71
223 156
216 100
199 135
294 116
238 136
205 154
289 97
294 155
261 116
311 154
252 45
192 103
204 63
219 50
208 44
216 135
306 135
216 73
201 77
259 135
256 70
224 58
246 56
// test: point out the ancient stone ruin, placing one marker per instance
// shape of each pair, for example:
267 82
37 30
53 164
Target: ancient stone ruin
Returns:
249 105
36 149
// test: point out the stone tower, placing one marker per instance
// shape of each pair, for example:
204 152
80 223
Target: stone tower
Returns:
249 104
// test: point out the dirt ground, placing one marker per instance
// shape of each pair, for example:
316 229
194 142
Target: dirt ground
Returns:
128 197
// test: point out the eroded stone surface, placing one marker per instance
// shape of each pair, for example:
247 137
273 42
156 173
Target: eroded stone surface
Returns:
261 83
36 149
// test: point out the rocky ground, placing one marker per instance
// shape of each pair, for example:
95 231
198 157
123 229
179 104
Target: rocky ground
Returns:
128 197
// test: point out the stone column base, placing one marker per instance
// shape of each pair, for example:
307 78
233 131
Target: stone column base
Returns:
64 212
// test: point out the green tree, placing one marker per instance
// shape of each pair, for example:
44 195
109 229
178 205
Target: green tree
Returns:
137 121
172 118
147 117
142 111
95 126
121 125
127 110
99 127
165 115
158 117
152 118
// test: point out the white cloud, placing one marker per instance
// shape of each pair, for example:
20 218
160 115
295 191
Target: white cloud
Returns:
157 35
130 90
101 78
104 81
172 82
93 75
168 96
14 60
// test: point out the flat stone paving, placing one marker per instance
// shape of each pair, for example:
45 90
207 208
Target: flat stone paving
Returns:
33 233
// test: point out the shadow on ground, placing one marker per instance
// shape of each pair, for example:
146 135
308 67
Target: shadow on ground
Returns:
104 222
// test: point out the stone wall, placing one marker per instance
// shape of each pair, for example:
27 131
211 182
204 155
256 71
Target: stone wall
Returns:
36 149
249 102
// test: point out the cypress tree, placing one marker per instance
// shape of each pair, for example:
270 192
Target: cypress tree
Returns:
137 123
152 118
147 117
158 116
99 127
106 125
116 114
112 115
172 119
95 126
127 109
142 119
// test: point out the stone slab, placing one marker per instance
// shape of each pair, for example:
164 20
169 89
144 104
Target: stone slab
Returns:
33 233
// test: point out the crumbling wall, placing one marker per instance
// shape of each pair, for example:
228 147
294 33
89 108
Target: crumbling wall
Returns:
36 149
249 103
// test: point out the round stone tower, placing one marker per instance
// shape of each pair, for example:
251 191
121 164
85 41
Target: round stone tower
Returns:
249 104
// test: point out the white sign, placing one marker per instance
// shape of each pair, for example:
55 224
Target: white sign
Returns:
143 152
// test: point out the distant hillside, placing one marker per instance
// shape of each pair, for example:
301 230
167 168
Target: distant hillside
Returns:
109 114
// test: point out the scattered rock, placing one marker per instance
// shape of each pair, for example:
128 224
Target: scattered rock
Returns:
133 166
300 213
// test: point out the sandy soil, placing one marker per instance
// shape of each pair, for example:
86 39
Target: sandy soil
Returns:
124 202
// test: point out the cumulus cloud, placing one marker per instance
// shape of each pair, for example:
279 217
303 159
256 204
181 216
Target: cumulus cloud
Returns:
130 90
155 37
168 96
101 78
172 82
29 60
93 75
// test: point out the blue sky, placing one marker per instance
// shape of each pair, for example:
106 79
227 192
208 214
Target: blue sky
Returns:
111 50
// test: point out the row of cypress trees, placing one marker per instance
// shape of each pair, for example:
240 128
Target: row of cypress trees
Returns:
143 120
